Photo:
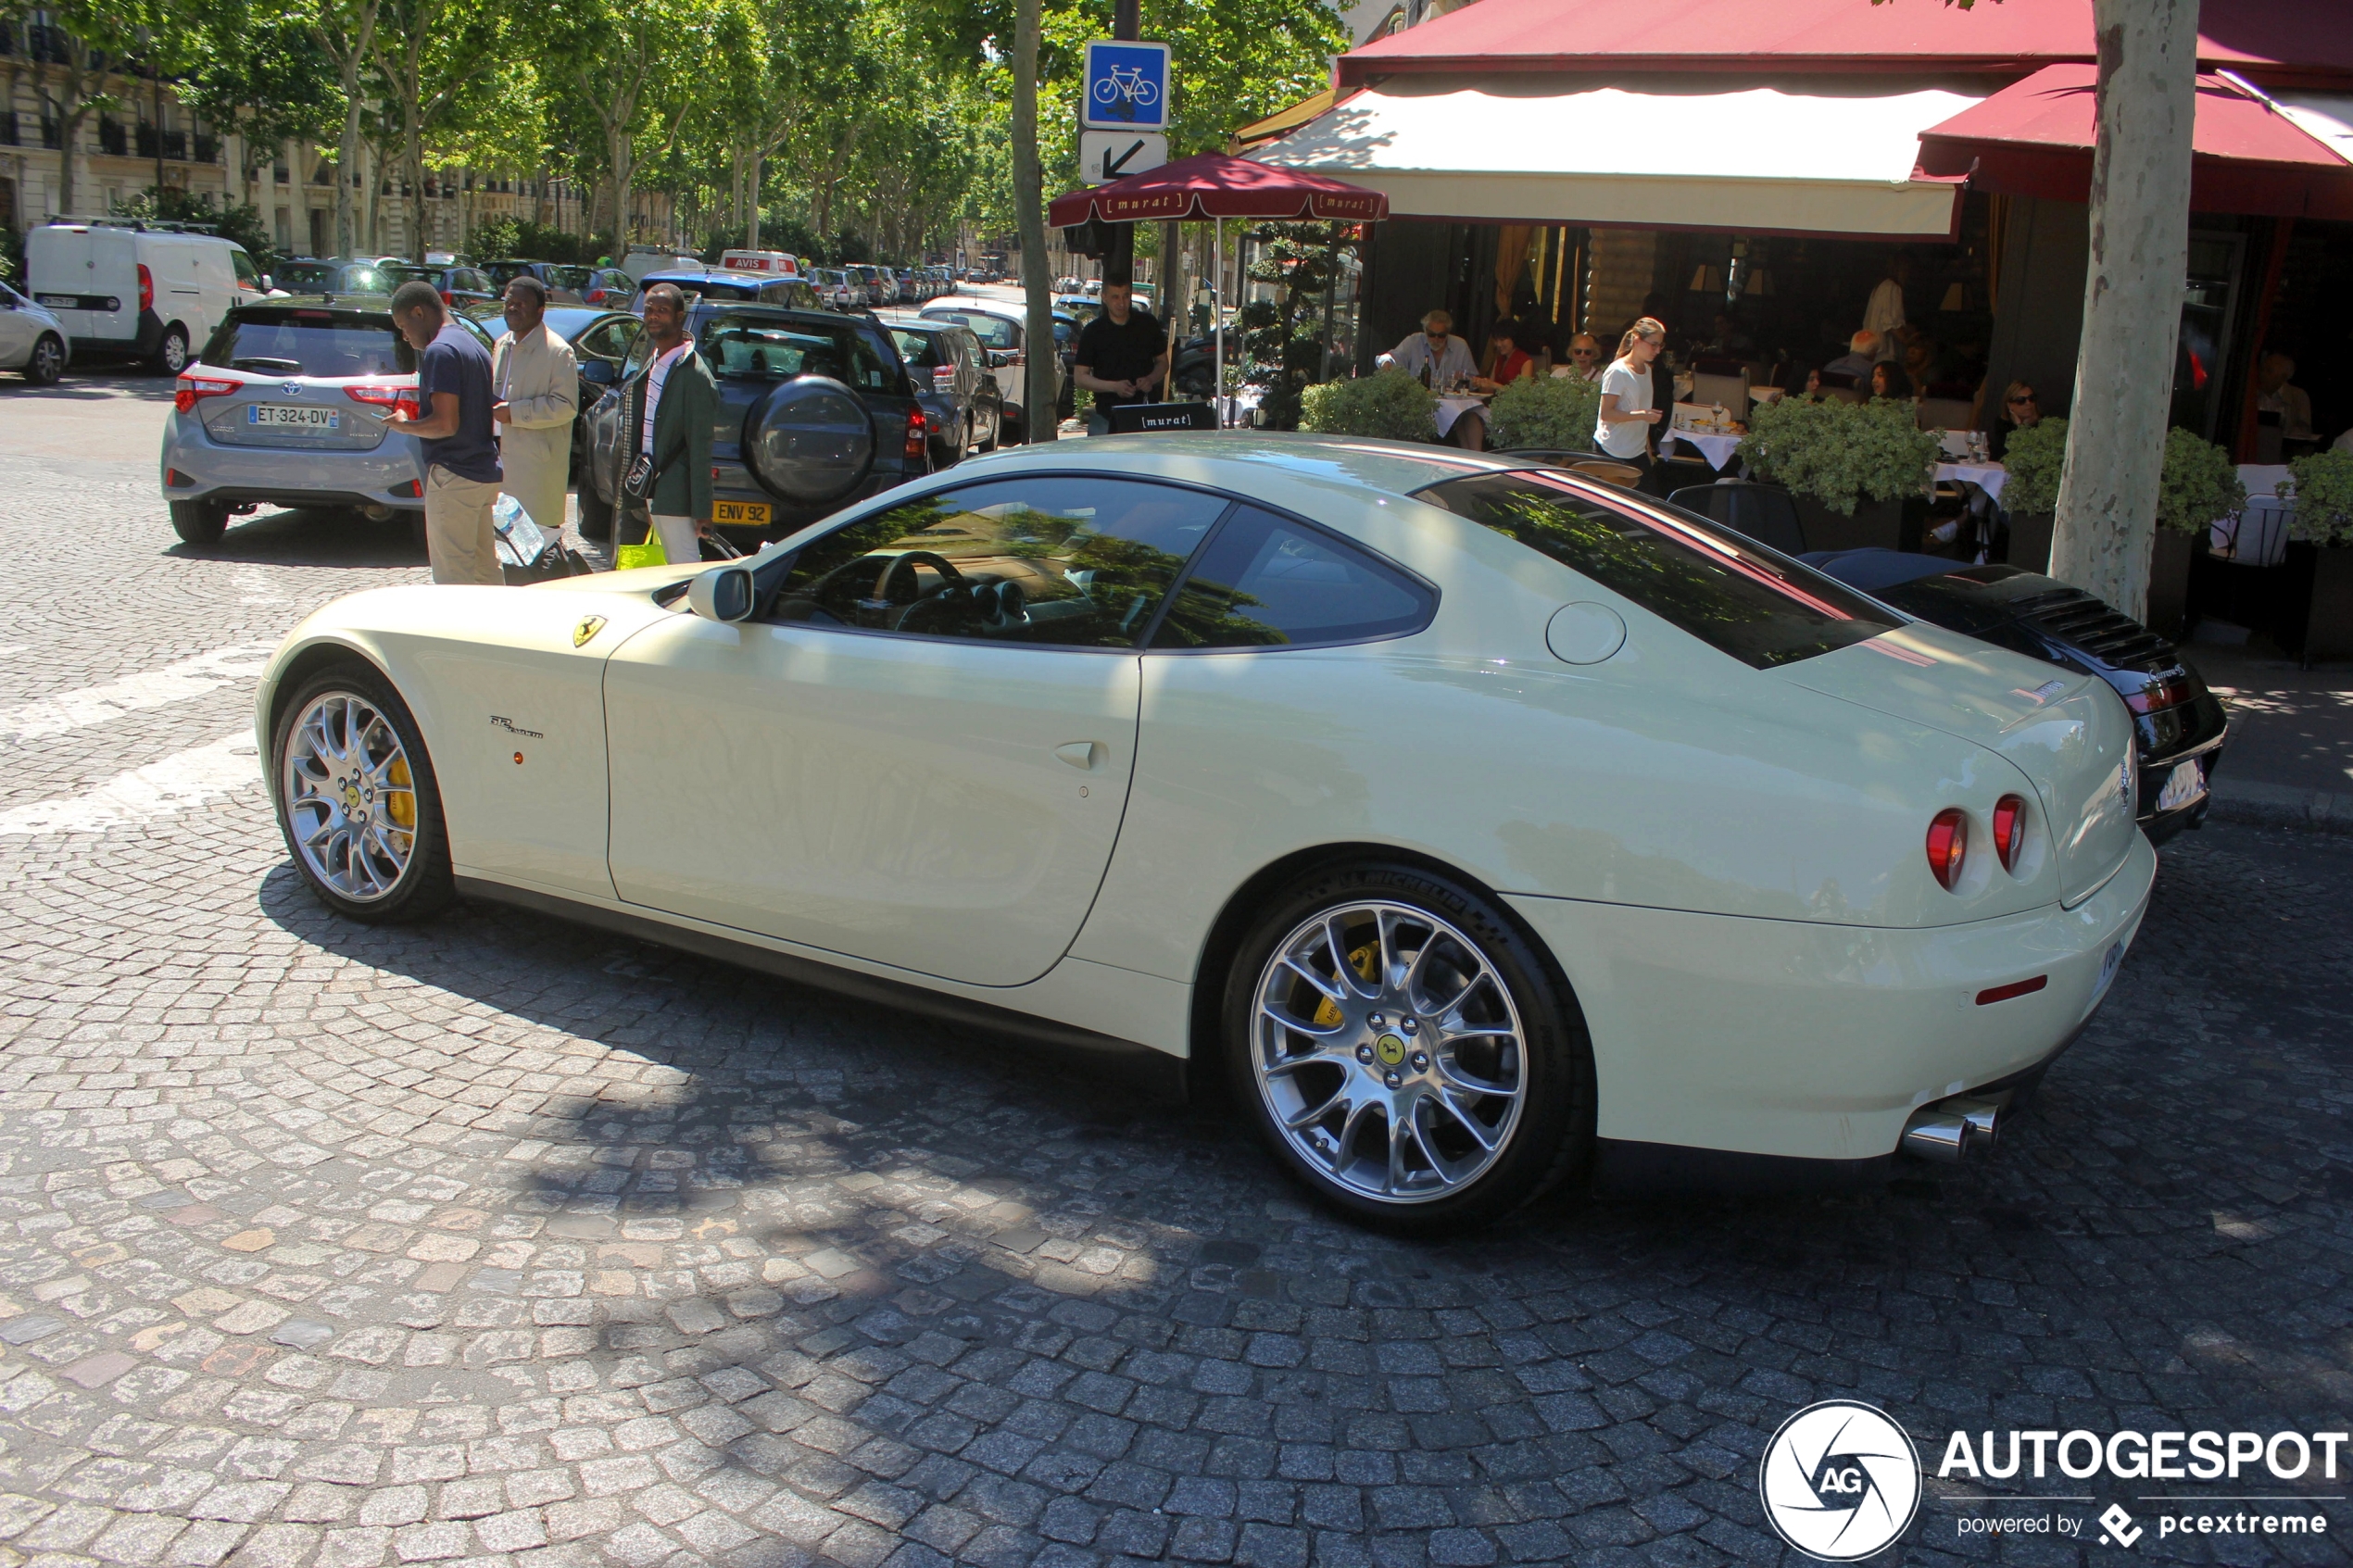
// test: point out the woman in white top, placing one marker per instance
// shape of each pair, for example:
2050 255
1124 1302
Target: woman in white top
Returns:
1628 410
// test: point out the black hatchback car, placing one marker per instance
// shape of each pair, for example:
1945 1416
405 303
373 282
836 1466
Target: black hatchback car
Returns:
2180 724
815 410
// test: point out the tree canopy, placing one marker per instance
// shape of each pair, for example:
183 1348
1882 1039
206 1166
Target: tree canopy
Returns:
879 127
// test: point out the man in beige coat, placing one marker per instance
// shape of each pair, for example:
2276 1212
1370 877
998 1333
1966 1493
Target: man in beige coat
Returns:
535 380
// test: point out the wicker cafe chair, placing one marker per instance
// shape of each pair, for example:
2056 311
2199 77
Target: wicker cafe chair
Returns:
1766 513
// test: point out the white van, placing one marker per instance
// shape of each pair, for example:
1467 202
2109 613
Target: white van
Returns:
125 289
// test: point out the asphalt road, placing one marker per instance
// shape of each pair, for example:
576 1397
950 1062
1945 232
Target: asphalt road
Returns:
503 1241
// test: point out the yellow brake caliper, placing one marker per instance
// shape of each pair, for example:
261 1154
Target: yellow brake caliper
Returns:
1362 961
400 801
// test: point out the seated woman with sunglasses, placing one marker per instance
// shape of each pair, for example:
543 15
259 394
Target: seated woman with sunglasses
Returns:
2018 410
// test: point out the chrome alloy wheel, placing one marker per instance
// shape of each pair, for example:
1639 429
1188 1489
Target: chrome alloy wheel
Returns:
1389 1051
350 796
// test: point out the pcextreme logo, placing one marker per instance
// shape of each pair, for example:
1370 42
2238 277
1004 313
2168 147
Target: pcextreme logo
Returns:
1839 1480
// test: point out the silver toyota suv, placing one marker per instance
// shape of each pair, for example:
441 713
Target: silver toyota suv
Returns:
287 407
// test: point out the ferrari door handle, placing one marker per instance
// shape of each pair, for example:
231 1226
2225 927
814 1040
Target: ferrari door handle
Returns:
1084 755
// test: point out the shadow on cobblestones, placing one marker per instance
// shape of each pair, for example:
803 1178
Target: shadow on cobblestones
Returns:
502 1238
314 536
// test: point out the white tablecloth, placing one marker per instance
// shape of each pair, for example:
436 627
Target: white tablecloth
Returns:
1452 409
2264 479
1717 449
1988 477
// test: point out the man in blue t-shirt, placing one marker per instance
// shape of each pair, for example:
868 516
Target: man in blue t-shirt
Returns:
453 424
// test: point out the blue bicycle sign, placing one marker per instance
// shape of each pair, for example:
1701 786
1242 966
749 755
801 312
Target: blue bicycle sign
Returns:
1128 82
1127 85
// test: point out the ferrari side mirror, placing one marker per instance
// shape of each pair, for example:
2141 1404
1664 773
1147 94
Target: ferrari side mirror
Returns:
722 594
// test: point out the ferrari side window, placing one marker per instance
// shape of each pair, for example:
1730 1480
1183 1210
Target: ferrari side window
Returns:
1060 560
1265 581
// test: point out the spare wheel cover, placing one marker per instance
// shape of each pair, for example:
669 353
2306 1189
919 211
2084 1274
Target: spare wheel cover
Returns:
811 440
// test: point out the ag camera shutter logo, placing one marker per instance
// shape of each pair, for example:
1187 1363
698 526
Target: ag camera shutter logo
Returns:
1839 1480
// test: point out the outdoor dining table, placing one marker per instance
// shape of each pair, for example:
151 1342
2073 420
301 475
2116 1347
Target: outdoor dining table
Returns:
1988 477
1717 449
1454 407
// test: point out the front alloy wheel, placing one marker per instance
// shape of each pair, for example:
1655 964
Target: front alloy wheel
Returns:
358 801
351 797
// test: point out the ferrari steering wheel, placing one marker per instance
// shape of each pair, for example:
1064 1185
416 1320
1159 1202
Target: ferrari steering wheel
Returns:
904 566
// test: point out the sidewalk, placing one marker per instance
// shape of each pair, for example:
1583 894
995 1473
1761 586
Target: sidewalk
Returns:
2289 760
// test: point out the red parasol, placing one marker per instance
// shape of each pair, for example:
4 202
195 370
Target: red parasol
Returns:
1215 185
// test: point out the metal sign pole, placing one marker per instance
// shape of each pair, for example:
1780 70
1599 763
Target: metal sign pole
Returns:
1217 312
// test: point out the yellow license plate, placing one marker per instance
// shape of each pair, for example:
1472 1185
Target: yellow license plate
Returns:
739 514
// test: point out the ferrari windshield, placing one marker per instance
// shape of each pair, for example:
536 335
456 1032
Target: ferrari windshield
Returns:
1762 609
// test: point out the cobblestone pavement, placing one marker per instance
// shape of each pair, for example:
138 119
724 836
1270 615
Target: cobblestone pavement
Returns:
504 1241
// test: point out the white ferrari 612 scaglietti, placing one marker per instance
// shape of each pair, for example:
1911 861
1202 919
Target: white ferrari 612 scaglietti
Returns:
1483 823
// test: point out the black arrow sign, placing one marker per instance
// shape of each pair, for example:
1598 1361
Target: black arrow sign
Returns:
1112 165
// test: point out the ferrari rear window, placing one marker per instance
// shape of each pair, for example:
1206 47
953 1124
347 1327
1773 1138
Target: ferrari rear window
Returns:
1762 608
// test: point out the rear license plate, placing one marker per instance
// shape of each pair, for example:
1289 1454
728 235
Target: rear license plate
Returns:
740 514
2184 784
58 301
293 416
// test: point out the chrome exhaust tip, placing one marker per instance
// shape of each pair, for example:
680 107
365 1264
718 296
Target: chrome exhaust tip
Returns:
1950 1130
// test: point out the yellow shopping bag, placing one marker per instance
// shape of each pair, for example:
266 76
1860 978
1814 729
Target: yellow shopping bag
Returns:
627 558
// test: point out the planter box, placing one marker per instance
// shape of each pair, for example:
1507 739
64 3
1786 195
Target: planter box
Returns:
2170 582
2030 541
2316 611
1875 524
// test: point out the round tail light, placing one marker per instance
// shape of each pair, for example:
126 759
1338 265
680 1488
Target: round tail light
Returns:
1947 843
2010 830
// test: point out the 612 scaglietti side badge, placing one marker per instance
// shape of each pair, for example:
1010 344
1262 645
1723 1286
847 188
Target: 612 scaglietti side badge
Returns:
589 626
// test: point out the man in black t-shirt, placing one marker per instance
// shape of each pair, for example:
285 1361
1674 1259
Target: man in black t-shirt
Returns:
1122 356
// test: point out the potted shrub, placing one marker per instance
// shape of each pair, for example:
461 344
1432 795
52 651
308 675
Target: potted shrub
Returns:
2200 485
1547 414
2318 621
1389 405
2034 456
1851 466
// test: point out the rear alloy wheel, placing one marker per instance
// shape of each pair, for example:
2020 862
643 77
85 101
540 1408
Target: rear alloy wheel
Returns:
358 800
1406 1051
200 522
171 353
48 361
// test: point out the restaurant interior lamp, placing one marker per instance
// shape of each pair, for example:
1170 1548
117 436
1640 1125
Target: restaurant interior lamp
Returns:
1706 279
1760 283
1955 297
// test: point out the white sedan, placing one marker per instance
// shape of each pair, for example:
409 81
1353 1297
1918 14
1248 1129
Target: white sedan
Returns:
1482 824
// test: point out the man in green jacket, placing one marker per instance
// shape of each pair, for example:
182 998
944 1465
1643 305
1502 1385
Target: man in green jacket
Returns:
666 417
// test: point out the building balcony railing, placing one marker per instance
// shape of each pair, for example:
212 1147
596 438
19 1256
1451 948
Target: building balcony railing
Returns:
112 138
